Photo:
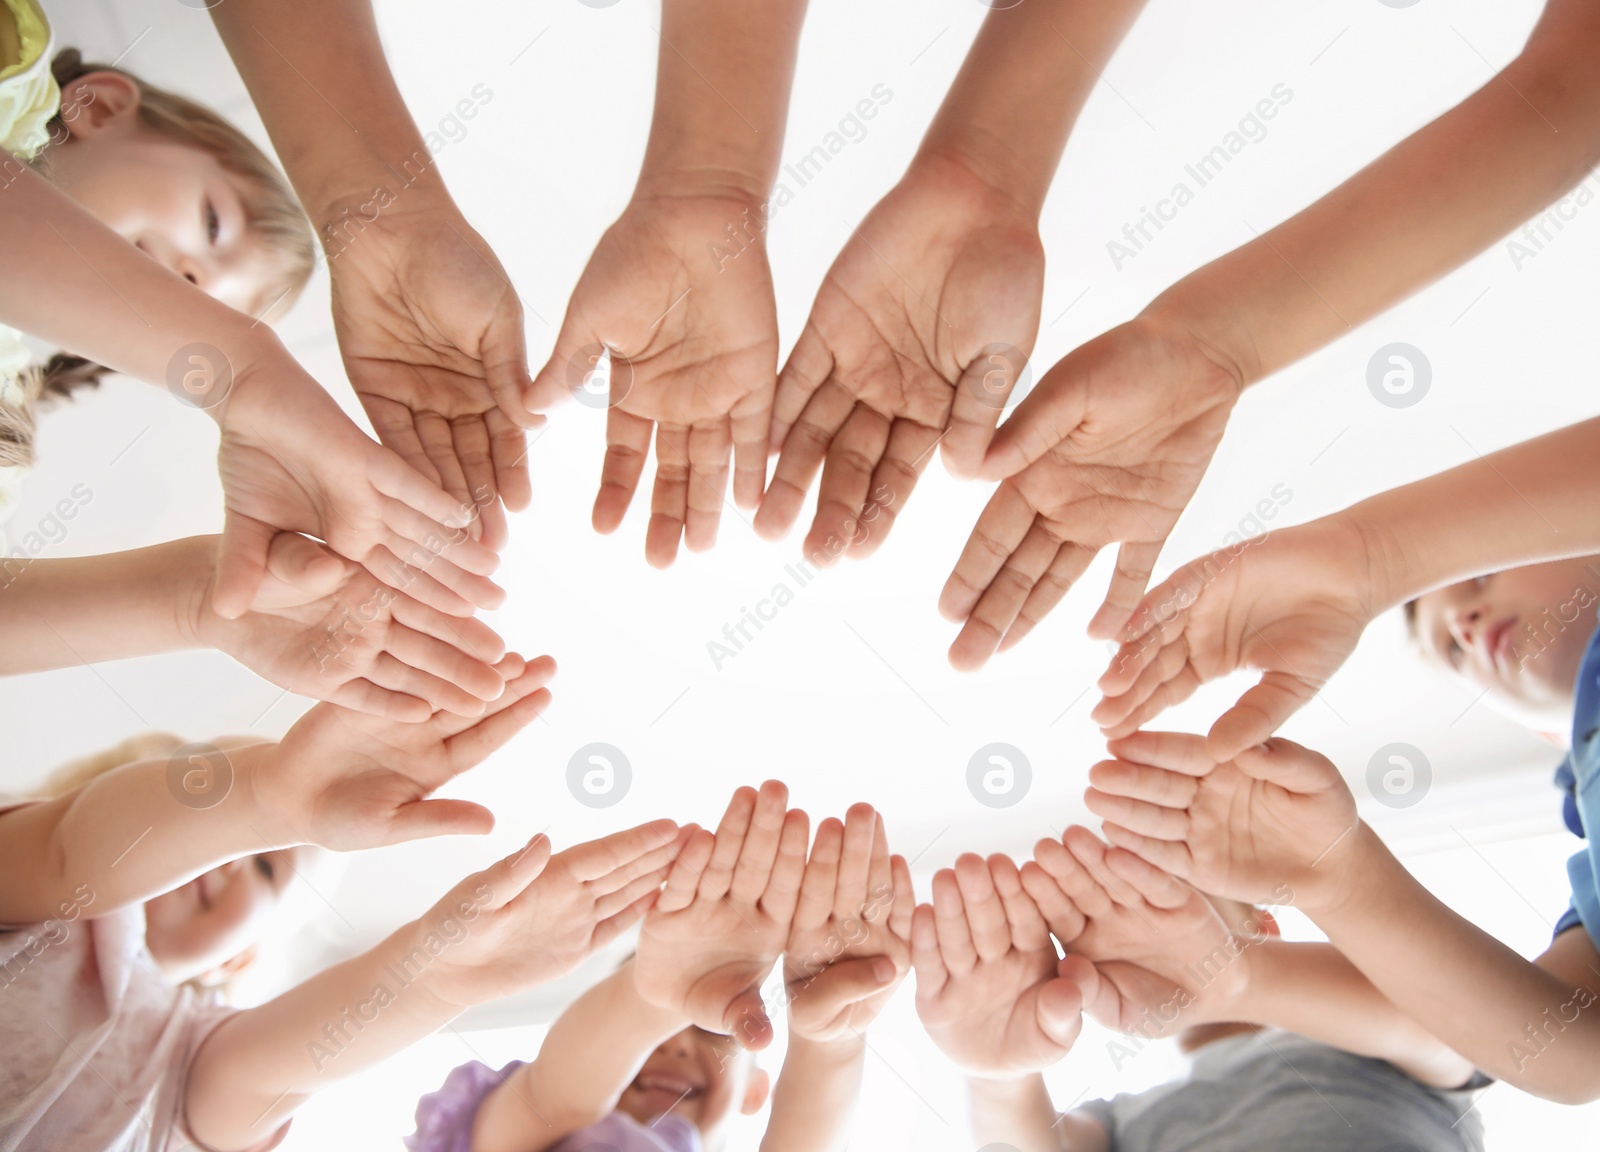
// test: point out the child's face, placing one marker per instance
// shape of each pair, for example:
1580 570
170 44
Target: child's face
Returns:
1520 634
217 916
702 1077
175 203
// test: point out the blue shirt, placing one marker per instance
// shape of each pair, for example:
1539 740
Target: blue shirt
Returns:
1580 775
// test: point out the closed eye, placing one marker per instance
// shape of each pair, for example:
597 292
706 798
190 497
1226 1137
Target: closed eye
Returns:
213 223
265 867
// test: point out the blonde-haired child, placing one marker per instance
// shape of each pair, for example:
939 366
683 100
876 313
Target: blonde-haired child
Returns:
159 870
170 176
206 212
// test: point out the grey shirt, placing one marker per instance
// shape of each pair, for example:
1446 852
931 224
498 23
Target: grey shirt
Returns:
1278 1092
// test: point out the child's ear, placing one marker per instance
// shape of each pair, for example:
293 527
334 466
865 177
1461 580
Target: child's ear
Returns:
99 103
756 1091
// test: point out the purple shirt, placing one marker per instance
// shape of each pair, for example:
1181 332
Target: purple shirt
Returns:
445 1119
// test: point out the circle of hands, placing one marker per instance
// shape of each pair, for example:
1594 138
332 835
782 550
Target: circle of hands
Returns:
351 572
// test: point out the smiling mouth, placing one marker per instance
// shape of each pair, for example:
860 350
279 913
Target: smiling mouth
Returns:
676 1087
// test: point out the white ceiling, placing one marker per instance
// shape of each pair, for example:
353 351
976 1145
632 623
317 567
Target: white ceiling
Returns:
847 695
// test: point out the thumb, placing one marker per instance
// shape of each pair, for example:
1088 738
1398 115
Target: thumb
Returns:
1259 713
567 373
1288 765
747 1021
1059 1012
1050 414
304 565
839 985
426 818
508 878
504 350
241 563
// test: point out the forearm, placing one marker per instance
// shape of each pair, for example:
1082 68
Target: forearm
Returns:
722 96
1531 502
814 1100
70 280
317 73
1024 81
592 1052
1417 212
1314 990
1019 1113
133 833
83 610
259 1066
1471 991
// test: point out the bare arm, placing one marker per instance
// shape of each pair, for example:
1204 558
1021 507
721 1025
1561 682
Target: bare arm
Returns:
57 613
593 1051
132 833
1019 1114
1314 990
1528 1024
1418 211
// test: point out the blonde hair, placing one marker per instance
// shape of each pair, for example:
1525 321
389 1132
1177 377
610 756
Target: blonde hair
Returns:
271 212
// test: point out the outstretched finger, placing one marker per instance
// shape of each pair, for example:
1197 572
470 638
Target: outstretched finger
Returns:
1087 894
958 954
1070 563
927 958
508 451
810 363
750 421
709 445
1063 918
1159 889
627 445
1260 712
472 447
1142 782
815 903
1028 929
1171 856
804 447
1136 560
687 870
980 396
1174 751
669 501
846 480
905 457
997 609
1049 415
599 858
855 861
1146 819
759 850
986 915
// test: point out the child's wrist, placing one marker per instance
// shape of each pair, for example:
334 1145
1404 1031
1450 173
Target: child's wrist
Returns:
1190 307
194 572
1350 873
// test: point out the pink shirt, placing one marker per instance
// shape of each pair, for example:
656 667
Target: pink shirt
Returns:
95 1045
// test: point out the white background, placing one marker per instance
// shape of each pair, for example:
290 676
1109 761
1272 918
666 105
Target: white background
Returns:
846 695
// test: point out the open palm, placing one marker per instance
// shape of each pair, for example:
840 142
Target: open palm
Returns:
347 781
987 989
917 336
321 626
1293 606
1109 449
724 916
693 342
432 335
855 907
290 460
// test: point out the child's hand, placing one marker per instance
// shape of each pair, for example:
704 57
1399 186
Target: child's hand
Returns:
291 460
695 356
1270 826
1292 605
987 989
1109 448
850 944
1145 948
917 336
534 917
431 332
321 626
346 780
725 915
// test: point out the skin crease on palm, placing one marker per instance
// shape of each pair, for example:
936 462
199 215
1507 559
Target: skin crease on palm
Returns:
1518 634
